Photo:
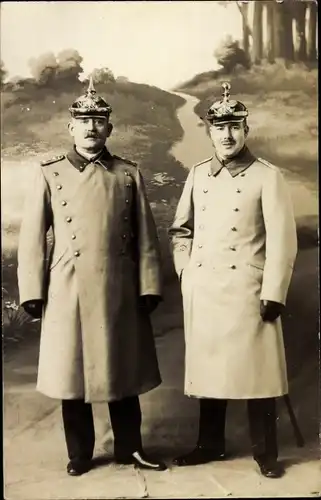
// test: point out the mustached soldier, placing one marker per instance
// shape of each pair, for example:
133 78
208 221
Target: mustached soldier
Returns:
102 284
235 244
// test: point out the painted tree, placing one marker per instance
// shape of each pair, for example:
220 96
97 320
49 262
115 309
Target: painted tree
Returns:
102 75
3 72
312 31
247 32
43 68
69 64
257 54
300 9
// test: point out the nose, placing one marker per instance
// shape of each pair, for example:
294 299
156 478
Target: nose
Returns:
227 133
91 125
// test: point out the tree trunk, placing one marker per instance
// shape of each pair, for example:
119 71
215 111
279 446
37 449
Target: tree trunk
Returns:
300 12
271 28
257 32
245 26
312 32
277 29
287 47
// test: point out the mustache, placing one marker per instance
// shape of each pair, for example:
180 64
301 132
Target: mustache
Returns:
91 135
228 143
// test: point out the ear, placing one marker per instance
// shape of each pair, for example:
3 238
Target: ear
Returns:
246 130
109 129
71 128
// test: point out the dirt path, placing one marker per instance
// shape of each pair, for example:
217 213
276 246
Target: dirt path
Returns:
34 448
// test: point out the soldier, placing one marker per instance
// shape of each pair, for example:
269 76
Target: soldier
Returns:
234 243
102 283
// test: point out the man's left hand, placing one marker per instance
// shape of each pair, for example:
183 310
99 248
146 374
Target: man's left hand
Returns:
149 302
270 310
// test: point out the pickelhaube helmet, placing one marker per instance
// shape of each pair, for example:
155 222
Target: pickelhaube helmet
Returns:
90 104
225 111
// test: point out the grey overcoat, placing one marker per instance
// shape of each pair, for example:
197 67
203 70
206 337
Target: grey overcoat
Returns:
96 343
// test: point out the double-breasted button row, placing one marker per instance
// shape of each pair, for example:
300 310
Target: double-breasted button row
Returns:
231 266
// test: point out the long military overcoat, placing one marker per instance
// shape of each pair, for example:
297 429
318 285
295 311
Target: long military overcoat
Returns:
96 342
234 243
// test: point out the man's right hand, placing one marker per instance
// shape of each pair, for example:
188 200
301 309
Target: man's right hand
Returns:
33 308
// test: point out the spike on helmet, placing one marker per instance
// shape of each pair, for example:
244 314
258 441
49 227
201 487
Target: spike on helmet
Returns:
90 104
226 110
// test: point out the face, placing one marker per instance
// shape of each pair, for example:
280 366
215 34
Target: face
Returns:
90 133
228 138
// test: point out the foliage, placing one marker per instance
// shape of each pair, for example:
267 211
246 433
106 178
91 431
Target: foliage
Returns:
47 68
3 72
102 75
229 55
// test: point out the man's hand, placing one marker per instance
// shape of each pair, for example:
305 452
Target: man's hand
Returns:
270 310
33 308
149 302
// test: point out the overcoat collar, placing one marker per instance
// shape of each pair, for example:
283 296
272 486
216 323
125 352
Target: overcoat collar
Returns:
235 165
103 158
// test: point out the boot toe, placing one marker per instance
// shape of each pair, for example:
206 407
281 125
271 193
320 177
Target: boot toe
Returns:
78 467
271 469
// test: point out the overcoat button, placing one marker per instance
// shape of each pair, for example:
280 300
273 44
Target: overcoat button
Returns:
234 229
236 209
201 226
238 190
128 185
59 187
232 266
232 248
200 246
126 218
199 264
205 190
77 253
56 174
69 219
124 236
64 203
73 236
126 201
203 209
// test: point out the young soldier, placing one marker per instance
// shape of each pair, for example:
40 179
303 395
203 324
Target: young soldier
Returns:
235 244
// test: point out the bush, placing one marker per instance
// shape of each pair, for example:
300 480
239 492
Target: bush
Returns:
229 55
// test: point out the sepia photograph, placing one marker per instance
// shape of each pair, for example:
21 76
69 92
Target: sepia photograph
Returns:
160 238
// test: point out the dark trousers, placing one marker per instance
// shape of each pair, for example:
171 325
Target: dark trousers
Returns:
262 425
125 417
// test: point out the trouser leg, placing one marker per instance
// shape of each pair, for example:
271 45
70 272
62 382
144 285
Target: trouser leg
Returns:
79 428
126 417
212 424
263 430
